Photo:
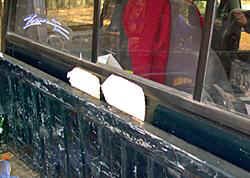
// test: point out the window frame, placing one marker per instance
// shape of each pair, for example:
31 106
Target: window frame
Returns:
170 97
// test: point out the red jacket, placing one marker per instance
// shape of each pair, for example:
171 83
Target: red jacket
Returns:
147 26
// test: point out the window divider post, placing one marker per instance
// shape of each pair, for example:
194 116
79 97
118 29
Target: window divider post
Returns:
207 33
95 35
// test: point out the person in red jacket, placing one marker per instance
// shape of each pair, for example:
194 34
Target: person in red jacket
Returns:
147 27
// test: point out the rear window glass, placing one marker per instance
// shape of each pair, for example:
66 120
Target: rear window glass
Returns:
228 72
158 41
63 25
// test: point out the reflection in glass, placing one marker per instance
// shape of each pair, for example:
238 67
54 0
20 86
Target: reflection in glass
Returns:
228 71
64 25
158 41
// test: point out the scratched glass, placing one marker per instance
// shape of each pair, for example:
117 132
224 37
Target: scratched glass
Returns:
63 25
157 41
228 74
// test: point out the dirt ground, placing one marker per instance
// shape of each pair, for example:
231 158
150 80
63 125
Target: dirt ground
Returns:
20 169
245 41
73 16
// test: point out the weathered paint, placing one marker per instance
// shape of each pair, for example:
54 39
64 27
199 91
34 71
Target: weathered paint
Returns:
65 133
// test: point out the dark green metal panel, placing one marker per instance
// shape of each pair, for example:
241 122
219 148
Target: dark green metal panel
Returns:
227 144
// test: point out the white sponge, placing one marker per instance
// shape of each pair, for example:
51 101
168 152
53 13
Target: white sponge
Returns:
84 81
125 95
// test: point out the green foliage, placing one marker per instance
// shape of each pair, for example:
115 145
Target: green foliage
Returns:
201 6
1 124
